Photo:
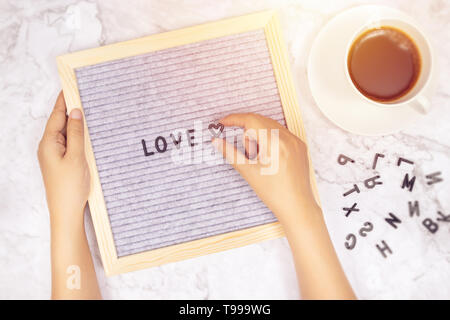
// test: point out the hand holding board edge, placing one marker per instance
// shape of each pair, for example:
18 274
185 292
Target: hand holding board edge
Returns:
83 67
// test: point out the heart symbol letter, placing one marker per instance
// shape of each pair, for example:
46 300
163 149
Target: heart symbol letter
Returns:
216 129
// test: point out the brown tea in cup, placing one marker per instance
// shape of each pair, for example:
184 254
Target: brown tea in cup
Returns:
384 64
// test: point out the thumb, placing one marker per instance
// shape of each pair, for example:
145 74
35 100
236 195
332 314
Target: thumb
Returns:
75 134
237 159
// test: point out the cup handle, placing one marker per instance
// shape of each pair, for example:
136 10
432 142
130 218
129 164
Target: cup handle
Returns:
421 104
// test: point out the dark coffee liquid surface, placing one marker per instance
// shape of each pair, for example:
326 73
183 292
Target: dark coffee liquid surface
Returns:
384 64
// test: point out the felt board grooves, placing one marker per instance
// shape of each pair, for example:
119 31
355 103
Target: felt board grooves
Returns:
267 111
153 202
110 57
174 52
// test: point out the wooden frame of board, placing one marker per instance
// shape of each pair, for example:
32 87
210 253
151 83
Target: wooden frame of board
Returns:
67 64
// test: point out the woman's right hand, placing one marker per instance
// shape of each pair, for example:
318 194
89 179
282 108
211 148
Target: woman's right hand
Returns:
280 177
280 172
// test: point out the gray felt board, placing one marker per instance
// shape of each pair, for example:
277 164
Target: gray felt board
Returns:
154 201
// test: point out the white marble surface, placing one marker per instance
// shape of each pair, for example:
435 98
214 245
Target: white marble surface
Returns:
33 33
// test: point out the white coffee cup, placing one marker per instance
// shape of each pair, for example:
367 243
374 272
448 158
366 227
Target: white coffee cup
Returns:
418 96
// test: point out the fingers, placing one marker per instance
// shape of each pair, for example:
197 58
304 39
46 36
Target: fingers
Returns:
57 119
250 121
251 147
235 157
237 120
75 134
257 134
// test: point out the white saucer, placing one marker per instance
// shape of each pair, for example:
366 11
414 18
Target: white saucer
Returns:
331 89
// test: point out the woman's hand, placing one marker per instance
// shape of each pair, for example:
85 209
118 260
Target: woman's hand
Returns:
280 172
63 164
280 177
66 179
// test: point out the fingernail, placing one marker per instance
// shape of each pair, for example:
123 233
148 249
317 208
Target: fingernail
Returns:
252 149
76 114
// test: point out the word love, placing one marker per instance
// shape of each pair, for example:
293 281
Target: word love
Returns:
161 145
